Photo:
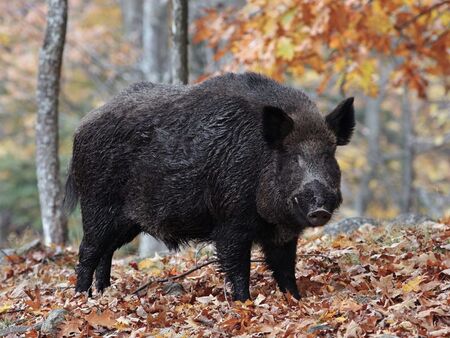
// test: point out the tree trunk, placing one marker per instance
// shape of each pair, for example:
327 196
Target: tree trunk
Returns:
408 154
132 14
154 40
47 163
373 124
180 72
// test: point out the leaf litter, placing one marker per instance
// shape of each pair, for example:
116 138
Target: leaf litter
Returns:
387 281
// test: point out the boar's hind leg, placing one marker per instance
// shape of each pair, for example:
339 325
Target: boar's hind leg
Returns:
97 237
234 258
103 271
90 252
281 260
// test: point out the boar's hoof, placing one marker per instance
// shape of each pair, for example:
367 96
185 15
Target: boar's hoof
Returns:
102 285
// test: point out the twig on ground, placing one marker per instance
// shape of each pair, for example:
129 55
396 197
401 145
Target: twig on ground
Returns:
197 267
163 280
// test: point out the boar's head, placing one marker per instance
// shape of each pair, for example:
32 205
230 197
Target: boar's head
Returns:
300 185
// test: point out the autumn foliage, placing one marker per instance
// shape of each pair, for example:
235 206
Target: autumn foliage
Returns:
344 41
376 281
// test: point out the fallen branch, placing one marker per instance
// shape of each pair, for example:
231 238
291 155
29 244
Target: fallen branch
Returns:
163 280
197 267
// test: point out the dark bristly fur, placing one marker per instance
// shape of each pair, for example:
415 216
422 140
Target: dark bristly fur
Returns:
236 160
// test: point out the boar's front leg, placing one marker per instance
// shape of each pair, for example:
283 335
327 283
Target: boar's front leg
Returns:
281 260
233 252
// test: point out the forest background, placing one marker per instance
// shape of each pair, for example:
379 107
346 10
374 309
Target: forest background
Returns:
392 56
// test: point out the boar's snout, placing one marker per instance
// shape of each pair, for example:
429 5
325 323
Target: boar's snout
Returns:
315 203
319 217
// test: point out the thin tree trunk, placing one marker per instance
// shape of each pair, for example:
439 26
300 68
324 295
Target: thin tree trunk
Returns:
373 123
47 163
180 72
132 14
154 40
408 154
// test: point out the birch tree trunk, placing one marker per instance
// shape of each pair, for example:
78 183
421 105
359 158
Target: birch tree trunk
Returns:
47 163
180 72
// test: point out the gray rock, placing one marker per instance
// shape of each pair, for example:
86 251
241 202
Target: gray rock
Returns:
54 318
348 225
409 220
48 327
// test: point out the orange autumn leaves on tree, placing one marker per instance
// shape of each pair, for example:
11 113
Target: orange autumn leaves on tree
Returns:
348 39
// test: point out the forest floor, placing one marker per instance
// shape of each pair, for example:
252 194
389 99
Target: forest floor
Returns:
377 282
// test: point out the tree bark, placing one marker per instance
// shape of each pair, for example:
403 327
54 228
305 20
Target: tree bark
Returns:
180 72
408 154
47 162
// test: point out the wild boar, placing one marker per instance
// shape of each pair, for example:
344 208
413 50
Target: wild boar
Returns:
236 160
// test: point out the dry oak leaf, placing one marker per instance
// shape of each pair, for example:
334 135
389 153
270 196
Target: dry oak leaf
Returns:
353 330
104 318
70 327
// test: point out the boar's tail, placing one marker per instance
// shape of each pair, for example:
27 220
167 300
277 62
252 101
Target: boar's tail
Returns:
71 195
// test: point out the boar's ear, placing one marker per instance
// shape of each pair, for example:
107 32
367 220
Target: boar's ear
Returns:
342 121
276 125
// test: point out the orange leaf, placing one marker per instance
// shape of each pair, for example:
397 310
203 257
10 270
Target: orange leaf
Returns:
104 318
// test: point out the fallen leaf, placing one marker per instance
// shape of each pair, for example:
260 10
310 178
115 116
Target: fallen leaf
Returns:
412 285
353 330
70 327
446 272
445 332
206 299
5 307
104 318
259 299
